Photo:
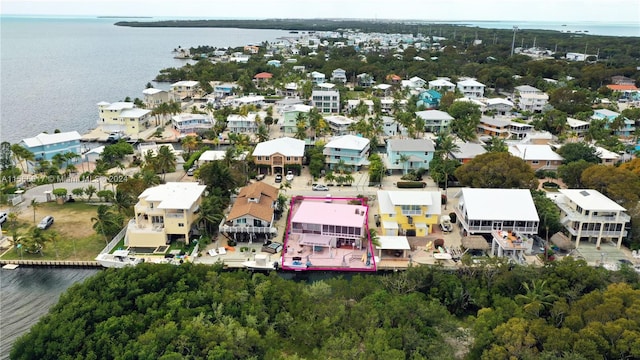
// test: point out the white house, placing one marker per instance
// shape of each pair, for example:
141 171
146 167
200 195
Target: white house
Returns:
485 210
442 85
529 98
191 123
240 124
327 101
339 124
471 88
435 120
589 215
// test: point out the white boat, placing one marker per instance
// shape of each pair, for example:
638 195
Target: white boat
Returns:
119 259
260 262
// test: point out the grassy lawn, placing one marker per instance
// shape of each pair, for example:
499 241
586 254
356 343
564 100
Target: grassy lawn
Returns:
76 238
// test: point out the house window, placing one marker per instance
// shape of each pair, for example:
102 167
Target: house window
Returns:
535 162
180 224
266 158
288 158
337 157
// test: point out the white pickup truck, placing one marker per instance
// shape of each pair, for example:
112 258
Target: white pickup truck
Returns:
445 223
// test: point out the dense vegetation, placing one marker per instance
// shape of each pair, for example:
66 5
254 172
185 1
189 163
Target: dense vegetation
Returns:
492 311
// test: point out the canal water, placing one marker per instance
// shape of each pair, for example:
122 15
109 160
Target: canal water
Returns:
27 293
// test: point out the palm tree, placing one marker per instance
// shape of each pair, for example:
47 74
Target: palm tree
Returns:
21 154
301 129
262 133
34 205
190 143
536 297
404 159
497 144
445 144
211 213
165 160
104 221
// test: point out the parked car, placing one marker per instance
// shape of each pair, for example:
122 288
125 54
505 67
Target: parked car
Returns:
191 171
45 223
259 177
289 176
319 187
278 178
3 217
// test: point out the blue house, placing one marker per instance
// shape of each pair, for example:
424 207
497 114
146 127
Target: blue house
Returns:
409 154
628 127
351 150
429 98
46 146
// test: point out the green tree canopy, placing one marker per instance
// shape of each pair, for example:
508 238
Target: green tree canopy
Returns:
578 151
497 170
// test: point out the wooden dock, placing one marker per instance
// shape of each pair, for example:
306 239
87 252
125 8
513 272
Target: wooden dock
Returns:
53 263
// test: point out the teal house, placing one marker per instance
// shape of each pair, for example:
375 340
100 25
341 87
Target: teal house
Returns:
429 98
290 117
46 146
628 127
350 150
409 154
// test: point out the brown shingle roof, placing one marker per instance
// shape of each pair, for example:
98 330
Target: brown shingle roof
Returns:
263 209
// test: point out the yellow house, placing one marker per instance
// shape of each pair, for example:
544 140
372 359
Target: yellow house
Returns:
164 213
123 117
409 213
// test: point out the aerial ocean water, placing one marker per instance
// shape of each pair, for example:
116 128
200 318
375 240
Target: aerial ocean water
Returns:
55 70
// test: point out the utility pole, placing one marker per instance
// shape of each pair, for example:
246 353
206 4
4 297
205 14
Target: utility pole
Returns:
513 42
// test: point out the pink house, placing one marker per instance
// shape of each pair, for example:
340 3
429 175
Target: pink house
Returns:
326 233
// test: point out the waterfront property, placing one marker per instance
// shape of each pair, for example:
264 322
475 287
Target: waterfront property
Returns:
186 124
539 157
163 214
252 213
410 213
339 124
511 244
123 117
277 154
588 215
154 97
328 234
481 211
46 146
409 154
184 90
242 124
435 120
350 150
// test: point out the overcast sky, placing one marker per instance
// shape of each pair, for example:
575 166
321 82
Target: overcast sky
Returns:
523 10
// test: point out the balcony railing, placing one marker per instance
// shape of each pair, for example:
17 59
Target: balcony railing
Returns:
248 229
596 233
573 215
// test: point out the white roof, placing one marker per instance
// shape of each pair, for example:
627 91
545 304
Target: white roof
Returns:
151 91
470 82
498 204
393 243
575 122
606 112
187 83
174 195
326 86
339 120
434 115
187 116
48 139
300 108
212 155
526 88
118 106
356 102
382 86
238 117
134 113
534 152
590 200
348 142
474 101
468 150
606 154
286 146
317 74
498 101
440 82
388 200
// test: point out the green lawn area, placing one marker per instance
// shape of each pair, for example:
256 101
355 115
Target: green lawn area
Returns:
76 238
